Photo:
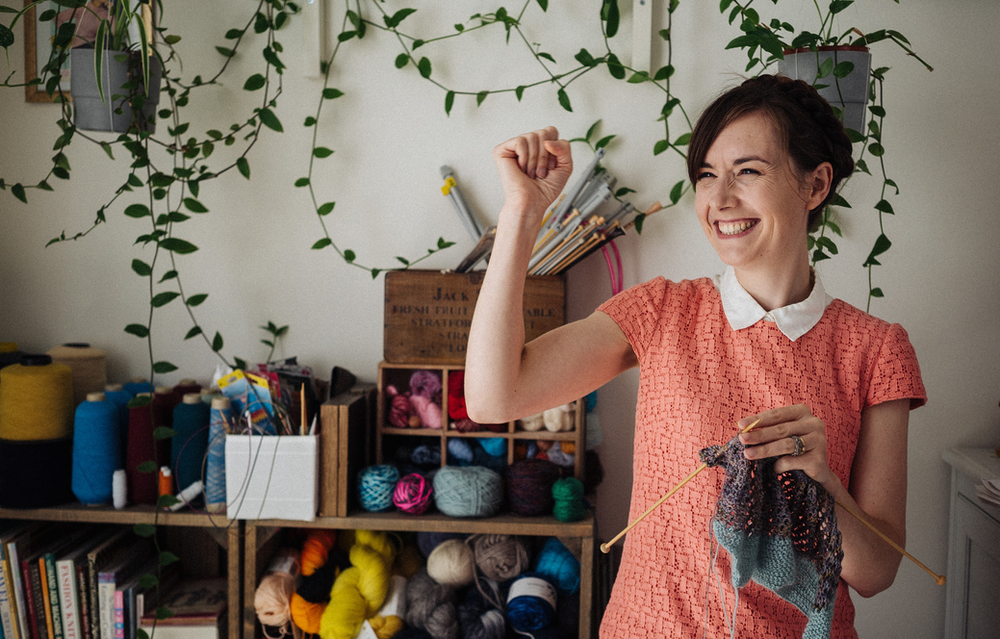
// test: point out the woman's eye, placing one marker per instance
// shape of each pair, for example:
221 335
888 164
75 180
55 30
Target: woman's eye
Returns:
704 175
749 172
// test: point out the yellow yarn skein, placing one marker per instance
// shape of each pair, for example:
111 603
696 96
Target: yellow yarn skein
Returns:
36 402
359 591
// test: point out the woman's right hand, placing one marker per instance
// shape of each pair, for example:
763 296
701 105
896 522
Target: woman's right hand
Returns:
533 168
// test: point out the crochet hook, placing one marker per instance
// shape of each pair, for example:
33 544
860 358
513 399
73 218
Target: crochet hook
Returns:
606 546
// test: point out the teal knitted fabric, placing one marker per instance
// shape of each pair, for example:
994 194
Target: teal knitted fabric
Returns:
781 531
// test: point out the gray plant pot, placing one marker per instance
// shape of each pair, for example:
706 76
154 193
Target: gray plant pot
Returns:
849 93
90 113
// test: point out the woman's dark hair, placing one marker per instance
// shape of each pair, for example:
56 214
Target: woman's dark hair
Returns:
807 128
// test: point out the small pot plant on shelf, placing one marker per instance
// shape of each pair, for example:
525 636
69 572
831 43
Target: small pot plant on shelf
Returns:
839 67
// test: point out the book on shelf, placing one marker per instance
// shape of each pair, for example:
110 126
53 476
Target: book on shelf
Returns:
14 544
99 556
8 610
50 583
115 570
193 602
71 577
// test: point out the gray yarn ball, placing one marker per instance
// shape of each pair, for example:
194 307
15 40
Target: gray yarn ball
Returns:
431 606
472 491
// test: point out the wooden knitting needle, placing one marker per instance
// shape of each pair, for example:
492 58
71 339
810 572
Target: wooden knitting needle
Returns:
606 546
939 579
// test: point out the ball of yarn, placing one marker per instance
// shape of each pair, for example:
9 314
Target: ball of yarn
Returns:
319 570
426 456
428 541
556 563
468 492
272 599
412 494
451 564
532 423
560 418
494 446
480 615
87 363
460 452
97 451
399 407
424 383
36 400
567 493
529 486
359 591
531 603
432 606
428 410
375 487
499 557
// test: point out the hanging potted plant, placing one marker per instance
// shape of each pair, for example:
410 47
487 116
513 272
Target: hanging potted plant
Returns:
113 39
840 73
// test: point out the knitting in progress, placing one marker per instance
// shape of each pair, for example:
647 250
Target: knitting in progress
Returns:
781 531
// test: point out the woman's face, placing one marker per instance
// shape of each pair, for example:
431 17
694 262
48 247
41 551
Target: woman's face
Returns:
752 204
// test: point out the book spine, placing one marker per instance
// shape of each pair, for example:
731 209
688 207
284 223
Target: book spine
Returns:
46 599
7 619
119 614
106 606
18 606
67 599
83 601
53 584
30 609
95 611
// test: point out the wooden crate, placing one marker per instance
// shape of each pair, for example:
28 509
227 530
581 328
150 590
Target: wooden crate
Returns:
345 437
428 313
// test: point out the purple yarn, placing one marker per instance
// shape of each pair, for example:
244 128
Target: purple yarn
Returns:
425 383
529 486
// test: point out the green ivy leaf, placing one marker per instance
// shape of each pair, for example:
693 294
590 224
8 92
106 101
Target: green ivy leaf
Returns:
564 100
148 581
270 120
481 96
843 69
660 146
254 82
144 530
169 275
196 300
325 209
884 207
615 67
146 466
137 211
402 60
194 205
349 256
876 149
882 245
603 142
424 66
876 292
322 152
449 101
177 245
243 167
141 268
226 52
164 298
217 342
676 192
164 613
332 94
302 181
322 243
167 558
519 92
166 501
194 332
138 330
683 140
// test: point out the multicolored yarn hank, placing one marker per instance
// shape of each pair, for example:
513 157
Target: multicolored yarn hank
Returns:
781 531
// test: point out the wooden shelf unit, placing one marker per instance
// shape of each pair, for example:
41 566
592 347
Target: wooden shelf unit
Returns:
260 539
399 375
226 533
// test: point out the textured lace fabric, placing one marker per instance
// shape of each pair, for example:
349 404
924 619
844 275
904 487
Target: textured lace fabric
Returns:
697 378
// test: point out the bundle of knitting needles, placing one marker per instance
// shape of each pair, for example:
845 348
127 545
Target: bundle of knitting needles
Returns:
574 228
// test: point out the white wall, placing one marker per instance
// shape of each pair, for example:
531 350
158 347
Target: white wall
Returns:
391 134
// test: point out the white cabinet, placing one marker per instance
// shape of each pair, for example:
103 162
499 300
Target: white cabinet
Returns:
973 600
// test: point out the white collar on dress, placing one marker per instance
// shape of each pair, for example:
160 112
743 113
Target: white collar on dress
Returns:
794 320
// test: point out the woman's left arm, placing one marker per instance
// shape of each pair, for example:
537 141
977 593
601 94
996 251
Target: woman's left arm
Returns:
878 481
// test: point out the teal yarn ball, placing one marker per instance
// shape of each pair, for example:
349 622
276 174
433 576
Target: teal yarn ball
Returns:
473 491
97 449
494 446
375 487
568 496
559 566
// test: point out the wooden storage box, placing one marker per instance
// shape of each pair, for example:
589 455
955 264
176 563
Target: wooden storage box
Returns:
398 375
345 440
428 313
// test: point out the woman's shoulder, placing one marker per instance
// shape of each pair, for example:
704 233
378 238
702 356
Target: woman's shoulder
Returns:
856 327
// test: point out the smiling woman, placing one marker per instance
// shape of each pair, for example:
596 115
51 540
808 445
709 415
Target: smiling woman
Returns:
830 385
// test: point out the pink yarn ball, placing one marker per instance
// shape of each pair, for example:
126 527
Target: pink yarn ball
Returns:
427 410
412 494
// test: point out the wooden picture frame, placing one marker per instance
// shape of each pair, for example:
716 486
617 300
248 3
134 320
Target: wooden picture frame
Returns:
33 40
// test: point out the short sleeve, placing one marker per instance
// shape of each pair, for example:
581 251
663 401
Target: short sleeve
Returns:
636 311
896 373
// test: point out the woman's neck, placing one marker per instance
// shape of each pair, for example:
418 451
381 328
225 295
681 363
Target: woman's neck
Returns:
774 288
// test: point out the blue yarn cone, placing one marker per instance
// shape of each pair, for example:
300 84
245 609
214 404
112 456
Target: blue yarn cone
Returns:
120 398
189 445
136 387
215 464
97 451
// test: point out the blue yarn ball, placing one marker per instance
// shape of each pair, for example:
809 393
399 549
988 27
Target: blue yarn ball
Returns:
375 486
530 612
460 452
97 450
494 446
558 564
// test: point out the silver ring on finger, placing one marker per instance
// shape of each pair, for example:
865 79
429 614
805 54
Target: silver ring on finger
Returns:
800 446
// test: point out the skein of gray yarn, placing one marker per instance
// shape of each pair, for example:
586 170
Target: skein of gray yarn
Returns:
500 557
479 616
431 606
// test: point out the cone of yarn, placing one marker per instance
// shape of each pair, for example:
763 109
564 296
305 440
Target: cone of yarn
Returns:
375 487
115 393
90 373
274 592
36 474
432 607
452 564
220 416
137 385
361 590
557 564
140 449
185 386
9 354
162 410
499 557
318 573
36 400
529 486
475 491
480 615
189 445
412 494
567 493
531 603
97 449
